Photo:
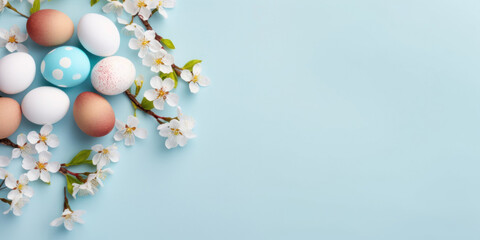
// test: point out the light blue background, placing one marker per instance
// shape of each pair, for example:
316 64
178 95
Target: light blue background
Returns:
339 119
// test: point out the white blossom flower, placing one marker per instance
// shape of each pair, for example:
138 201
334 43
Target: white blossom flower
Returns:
162 4
87 188
113 6
101 175
160 61
130 27
68 219
177 131
25 148
2 5
145 41
19 188
17 205
195 79
161 93
13 39
41 168
129 131
103 155
43 140
4 161
9 179
141 7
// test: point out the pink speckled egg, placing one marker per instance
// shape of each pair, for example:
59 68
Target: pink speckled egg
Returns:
113 75
93 114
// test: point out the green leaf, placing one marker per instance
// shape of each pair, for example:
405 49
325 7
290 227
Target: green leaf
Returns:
80 158
35 7
93 2
172 75
189 65
148 105
70 181
167 43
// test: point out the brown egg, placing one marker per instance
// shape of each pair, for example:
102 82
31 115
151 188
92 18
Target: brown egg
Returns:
50 27
10 116
93 114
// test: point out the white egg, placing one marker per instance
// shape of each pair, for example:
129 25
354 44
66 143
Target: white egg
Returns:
17 71
113 75
45 105
98 35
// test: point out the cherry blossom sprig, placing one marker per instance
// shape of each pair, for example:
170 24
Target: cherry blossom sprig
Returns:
36 160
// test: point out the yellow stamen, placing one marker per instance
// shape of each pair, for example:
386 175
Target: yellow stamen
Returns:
162 94
130 130
176 131
40 166
43 138
20 187
104 151
195 79
141 4
145 42
12 39
158 61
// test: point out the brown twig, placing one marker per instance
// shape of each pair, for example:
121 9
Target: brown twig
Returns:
9 6
65 201
8 142
65 171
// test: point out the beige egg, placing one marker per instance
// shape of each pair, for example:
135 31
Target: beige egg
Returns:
50 27
10 116
93 114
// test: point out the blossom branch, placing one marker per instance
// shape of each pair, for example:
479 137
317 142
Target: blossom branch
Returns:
9 6
65 171
159 119
8 142
9 202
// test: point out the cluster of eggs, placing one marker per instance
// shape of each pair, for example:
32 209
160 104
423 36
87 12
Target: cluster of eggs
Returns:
65 67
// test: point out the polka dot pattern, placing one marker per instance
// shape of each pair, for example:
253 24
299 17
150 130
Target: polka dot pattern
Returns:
65 66
65 62
57 74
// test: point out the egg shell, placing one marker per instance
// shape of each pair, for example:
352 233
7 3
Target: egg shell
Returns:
17 71
98 35
10 116
45 105
65 66
50 27
113 75
93 114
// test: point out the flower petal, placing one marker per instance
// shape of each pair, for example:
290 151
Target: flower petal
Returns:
53 167
172 99
4 161
46 130
28 163
141 133
45 176
132 121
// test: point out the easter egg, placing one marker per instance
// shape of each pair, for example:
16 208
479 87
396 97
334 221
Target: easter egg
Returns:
98 35
50 27
65 66
45 105
10 116
113 75
93 114
17 71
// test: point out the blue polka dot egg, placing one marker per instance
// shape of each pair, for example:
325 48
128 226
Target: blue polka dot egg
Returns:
65 67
